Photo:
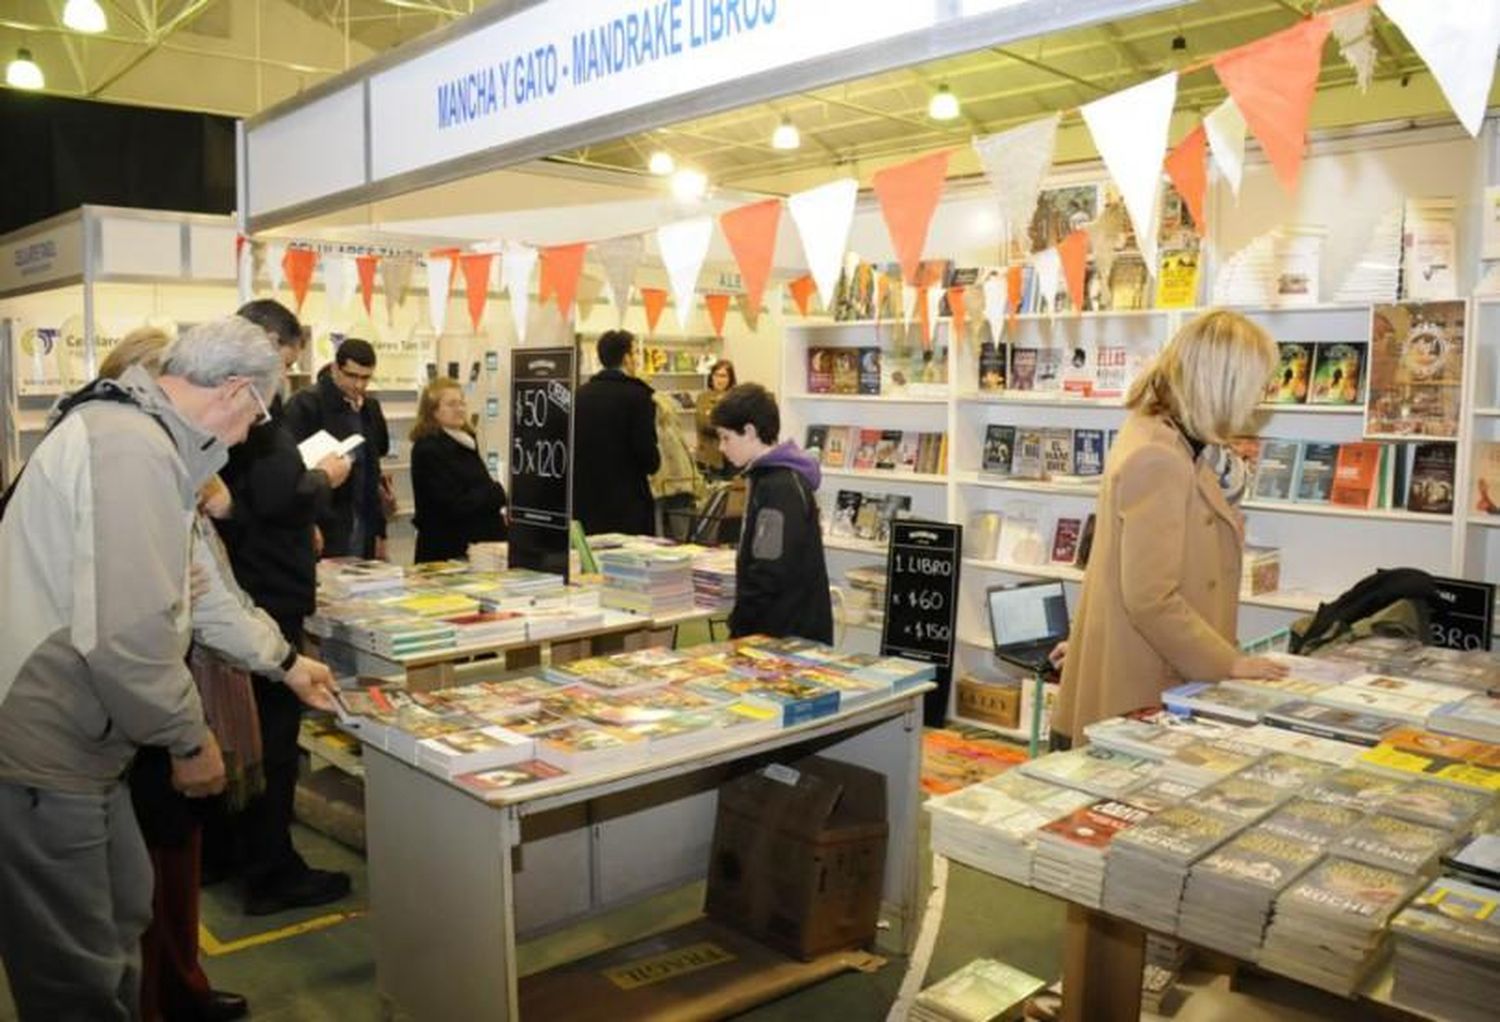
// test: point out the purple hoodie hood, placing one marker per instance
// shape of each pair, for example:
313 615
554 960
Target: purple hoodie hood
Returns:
788 455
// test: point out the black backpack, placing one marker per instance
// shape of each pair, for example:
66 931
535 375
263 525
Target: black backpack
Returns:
1367 599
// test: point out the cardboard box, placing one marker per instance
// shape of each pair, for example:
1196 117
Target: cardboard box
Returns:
798 856
989 702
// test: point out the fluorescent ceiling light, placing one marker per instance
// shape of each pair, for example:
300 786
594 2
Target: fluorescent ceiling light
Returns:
22 73
85 16
786 136
662 163
689 185
943 106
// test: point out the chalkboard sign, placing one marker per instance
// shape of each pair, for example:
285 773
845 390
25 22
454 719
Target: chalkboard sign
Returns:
921 585
1463 617
542 386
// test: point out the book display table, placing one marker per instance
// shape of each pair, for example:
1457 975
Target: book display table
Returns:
462 873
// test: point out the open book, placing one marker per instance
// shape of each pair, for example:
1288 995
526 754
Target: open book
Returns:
323 443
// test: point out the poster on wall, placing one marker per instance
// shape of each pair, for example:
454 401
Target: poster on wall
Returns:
1415 370
1429 250
36 358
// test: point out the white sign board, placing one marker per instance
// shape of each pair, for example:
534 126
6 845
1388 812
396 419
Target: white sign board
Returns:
42 257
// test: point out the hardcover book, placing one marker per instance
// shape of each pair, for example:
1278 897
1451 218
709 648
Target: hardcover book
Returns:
1088 452
819 370
999 444
1415 370
869 371
846 370
1486 496
1337 373
817 441
886 448
836 452
907 451
1057 451
1432 479
1293 373
865 452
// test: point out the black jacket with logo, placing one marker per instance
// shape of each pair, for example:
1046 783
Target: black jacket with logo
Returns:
781 585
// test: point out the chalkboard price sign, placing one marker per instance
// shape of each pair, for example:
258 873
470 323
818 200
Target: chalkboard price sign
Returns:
1463 617
922 600
542 386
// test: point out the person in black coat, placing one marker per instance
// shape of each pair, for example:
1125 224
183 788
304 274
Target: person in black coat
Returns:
458 503
781 576
355 522
614 444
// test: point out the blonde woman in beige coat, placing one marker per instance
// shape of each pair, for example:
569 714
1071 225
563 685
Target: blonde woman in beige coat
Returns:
1161 593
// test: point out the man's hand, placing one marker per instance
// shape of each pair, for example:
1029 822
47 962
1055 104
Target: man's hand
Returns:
214 499
380 548
1058 655
201 775
1257 667
336 467
313 682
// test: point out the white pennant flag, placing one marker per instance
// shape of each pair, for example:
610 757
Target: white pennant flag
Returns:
1225 128
683 246
620 257
1130 132
275 251
439 284
338 282
516 264
1458 42
1048 267
996 295
823 216
1356 38
1015 162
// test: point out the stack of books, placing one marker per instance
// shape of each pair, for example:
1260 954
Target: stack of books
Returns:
982 991
1414 754
1327 751
1241 797
1136 737
1354 727
1476 717
1204 762
1477 860
1229 893
1070 852
653 583
1221 702
1355 788
1436 804
1285 772
1328 928
1098 771
488 627
489 556
1447 950
1393 843
713 580
1318 825
1403 698
1149 863
343 578
992 825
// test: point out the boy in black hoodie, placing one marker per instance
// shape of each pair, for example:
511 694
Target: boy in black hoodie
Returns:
782 578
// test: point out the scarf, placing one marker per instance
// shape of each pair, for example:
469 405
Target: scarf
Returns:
463 436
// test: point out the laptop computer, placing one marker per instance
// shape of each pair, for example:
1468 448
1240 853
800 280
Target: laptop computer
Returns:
1026 621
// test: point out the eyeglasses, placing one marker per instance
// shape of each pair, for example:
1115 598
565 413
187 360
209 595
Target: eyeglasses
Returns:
355 377
265 413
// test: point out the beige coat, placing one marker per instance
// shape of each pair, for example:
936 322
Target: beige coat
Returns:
1161 593
677 473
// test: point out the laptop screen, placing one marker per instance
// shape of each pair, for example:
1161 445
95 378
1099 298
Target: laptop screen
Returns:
1026 614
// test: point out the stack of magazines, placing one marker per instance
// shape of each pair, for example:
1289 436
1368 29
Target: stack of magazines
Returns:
982 991
1149 863
1229 893
1070 852
992 825
1447 950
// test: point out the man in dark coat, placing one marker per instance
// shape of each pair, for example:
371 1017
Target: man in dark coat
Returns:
355 522
781 577
614 444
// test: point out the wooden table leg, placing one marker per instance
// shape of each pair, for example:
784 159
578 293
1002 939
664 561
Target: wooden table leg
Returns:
1102 962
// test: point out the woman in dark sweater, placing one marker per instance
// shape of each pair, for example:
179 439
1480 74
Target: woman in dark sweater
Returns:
458 503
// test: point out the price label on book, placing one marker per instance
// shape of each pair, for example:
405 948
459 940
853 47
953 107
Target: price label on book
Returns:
1463 617
921 585
543 382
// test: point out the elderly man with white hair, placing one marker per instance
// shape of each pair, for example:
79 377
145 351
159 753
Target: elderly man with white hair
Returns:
94 565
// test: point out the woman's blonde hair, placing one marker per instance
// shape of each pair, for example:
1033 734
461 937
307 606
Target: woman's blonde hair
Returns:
1209 378
427 406
144 346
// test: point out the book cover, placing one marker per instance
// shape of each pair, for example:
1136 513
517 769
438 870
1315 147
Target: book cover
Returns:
819 371
1079 371
908 451
1293 374
1312 823
845 371
817 442
864 453
867 518
845 508
1026 463
886 448
1430 490
1023 368
1065 537
1456 916
1486 496
991 366
999 445
1338 371
1342 887
1086 541
1088 452
1177 279
836 452
1057 451
1277 469
1415 369
1355 475
1383 840
1315 473
1049 369
869 371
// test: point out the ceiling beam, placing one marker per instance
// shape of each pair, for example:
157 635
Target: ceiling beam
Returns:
70 47
158 36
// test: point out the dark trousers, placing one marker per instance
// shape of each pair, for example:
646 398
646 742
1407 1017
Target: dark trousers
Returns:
266 824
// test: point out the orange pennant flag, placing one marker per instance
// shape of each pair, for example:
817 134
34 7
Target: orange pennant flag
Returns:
718 308
957 312
476 267
1074 251
298 265
751 233
1187 166
802 291
654 299
561 266
365 265
1272 81
908 197
923 322
1013 291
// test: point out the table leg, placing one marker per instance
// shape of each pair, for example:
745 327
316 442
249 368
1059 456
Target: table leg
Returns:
1102 962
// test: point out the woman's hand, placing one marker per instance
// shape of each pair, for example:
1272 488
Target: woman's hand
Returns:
1058 655
214 499
1257 667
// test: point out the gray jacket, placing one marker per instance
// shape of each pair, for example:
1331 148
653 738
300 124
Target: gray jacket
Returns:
95 622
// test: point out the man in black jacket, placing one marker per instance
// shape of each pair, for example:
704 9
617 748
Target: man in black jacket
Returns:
355 521
781 578
269 535
614 444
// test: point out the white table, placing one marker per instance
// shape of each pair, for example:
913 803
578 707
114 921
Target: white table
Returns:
456 882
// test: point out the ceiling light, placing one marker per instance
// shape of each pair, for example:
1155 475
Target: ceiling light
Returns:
22 73
662 163
786 136
84 16
689 185
943 106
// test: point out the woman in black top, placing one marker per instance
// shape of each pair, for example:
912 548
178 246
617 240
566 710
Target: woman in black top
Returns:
458 503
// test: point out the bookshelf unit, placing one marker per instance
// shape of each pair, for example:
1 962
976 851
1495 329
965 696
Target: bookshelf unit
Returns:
1321 555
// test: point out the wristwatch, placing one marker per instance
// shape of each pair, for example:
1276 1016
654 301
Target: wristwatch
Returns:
188 753
289 661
